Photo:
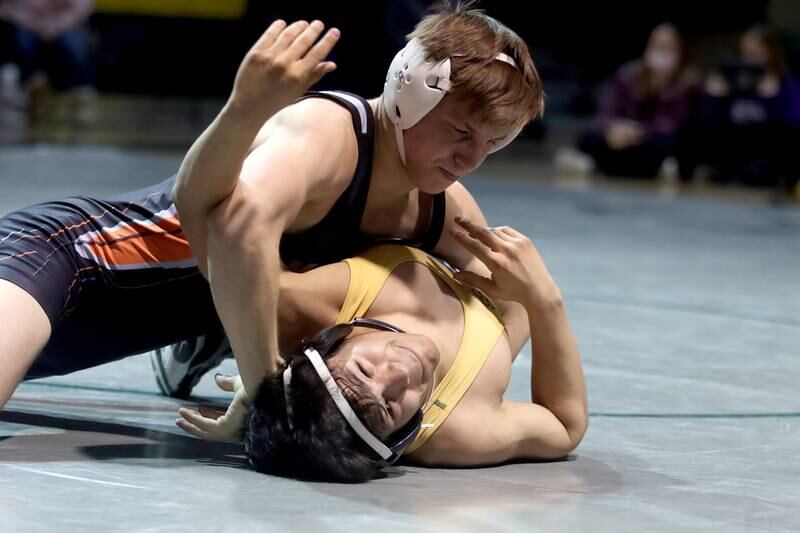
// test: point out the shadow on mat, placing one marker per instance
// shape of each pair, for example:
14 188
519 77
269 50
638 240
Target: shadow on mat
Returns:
82 439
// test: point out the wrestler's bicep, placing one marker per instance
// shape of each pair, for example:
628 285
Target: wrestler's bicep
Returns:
308 151
270 191
309 154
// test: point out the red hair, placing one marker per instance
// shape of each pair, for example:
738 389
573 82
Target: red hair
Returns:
497 92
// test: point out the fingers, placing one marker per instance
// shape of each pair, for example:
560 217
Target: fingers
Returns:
195 418
482 233
288 35
507 232
194 423
226 383
190 428
209 412
323 47
302 44
475 247
270 35
320 70
477 281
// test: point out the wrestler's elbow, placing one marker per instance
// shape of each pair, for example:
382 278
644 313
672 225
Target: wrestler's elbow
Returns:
188 208
239 222
188 196
576 424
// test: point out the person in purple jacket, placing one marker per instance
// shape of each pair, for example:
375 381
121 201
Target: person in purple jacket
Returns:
644 109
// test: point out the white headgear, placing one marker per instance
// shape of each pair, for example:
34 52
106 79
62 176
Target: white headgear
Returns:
414 86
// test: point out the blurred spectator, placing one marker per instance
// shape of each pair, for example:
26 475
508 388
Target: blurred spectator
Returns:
52 51
642 114
749 108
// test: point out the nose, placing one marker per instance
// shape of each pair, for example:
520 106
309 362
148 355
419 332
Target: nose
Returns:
395 379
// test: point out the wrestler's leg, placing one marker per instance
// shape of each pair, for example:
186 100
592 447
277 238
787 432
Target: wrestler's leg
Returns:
24 331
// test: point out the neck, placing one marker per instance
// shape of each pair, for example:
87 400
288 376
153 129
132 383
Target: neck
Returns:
429 397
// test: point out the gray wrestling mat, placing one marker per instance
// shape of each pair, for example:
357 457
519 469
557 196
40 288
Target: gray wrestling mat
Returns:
687 313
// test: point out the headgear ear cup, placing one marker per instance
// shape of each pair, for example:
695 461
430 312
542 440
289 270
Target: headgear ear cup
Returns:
414 86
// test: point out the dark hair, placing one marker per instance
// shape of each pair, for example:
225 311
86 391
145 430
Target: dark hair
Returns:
321 445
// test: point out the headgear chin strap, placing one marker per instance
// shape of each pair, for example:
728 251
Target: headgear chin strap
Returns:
319 348
414 86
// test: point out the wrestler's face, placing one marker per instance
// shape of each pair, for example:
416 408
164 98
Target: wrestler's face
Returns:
396 368
448 143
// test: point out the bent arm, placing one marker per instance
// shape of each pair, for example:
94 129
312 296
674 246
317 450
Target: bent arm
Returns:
556 420
243 231
210 172
550 427
243 272
282 64
461 202
557 380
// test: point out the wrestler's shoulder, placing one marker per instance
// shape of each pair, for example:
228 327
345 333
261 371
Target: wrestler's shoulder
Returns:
317 115
319 127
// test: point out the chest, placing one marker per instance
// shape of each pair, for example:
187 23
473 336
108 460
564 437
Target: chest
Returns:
406 218
478 405
492 381
330 229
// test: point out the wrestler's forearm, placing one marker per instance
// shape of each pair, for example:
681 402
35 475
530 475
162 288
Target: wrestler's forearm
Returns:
557 380
243 271
211 167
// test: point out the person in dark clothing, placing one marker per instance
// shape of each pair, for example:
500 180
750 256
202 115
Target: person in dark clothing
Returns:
749 109
644 109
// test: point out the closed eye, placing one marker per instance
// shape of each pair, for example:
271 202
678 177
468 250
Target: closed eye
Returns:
388 410
362 369
462 133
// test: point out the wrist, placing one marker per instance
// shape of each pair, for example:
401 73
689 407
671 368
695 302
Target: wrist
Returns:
243 116
543 299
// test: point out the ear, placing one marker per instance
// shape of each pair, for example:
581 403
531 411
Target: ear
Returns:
329 339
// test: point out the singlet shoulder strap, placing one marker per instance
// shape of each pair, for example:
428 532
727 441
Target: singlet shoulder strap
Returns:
339 228
434 231
363 120
352 202
368 273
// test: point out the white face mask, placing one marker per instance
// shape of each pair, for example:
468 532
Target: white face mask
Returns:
661 62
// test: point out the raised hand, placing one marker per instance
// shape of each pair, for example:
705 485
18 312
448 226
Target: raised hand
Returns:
518 272
281 66
213 425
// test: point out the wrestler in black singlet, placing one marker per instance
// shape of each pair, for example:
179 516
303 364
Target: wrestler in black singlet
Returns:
116 277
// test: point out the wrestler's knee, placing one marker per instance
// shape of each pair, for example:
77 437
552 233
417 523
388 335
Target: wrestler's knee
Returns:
24 331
